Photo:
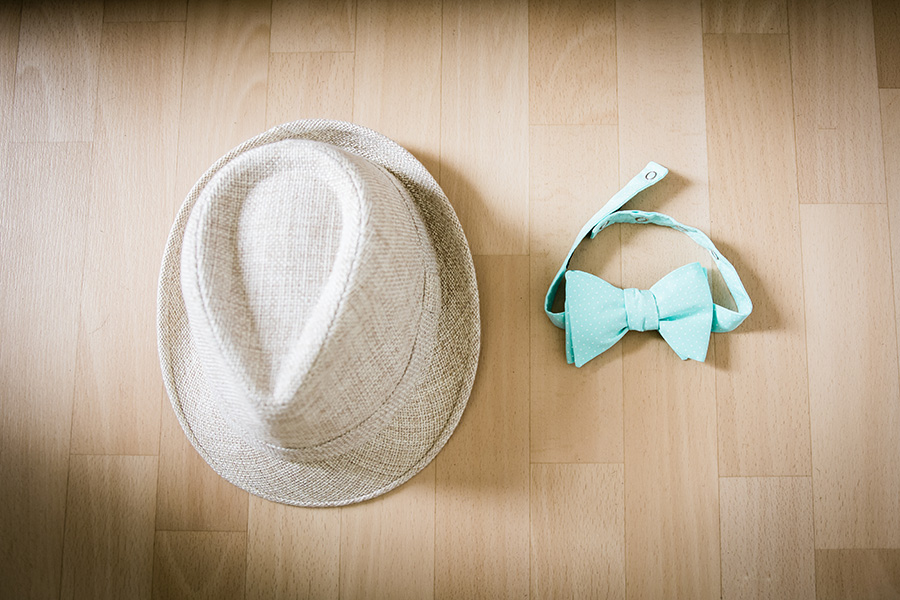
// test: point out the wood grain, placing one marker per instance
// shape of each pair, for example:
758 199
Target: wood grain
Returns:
313 25
292 552
198 565
671 499
572 62
484 122
387 544
190 495
108 549
10 13
671 487
481 520
763 423
576 414
851 574
745 16
225 61
144 10
854 395
662 114
117 383
43 219
890 122
56 71
397 89
577 531
767 537
838 130
226 58
316 85
886 17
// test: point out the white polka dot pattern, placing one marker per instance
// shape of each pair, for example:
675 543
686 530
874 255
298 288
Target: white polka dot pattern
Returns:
598 314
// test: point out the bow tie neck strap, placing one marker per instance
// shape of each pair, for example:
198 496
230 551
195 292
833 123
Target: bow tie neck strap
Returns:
648 176
724 319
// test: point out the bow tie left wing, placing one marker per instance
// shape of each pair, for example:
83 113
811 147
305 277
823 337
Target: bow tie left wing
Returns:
685 311
595 316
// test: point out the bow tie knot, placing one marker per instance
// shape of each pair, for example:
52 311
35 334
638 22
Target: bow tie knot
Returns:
641 310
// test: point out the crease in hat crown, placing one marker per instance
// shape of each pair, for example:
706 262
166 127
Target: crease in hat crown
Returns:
311 293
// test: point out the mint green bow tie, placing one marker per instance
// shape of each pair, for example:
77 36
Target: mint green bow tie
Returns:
679 305
598 314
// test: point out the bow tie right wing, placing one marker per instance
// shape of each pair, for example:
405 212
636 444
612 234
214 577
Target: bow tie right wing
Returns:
595 316
685 311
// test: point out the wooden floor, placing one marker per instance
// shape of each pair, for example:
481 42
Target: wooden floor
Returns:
770 471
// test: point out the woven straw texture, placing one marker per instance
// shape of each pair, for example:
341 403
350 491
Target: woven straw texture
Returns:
364 362
286 321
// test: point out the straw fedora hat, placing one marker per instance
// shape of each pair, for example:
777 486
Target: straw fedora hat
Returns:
317 319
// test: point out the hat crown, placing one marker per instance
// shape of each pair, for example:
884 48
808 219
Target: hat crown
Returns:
310 288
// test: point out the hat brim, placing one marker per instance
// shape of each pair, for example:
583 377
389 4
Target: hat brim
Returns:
419 429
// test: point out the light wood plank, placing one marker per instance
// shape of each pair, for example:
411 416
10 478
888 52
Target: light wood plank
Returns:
839 157
763 422
56 72
484 122
767 538
481 522
191 496
117 382
43 217
224 104
671 487
292 552
197 565
387 544
852 574
854 395
662 114
224 100
397 87
572 62
890 126
886 15
313 25
576 414
145 10
10 13
577 531
316 85
745 16
108 549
